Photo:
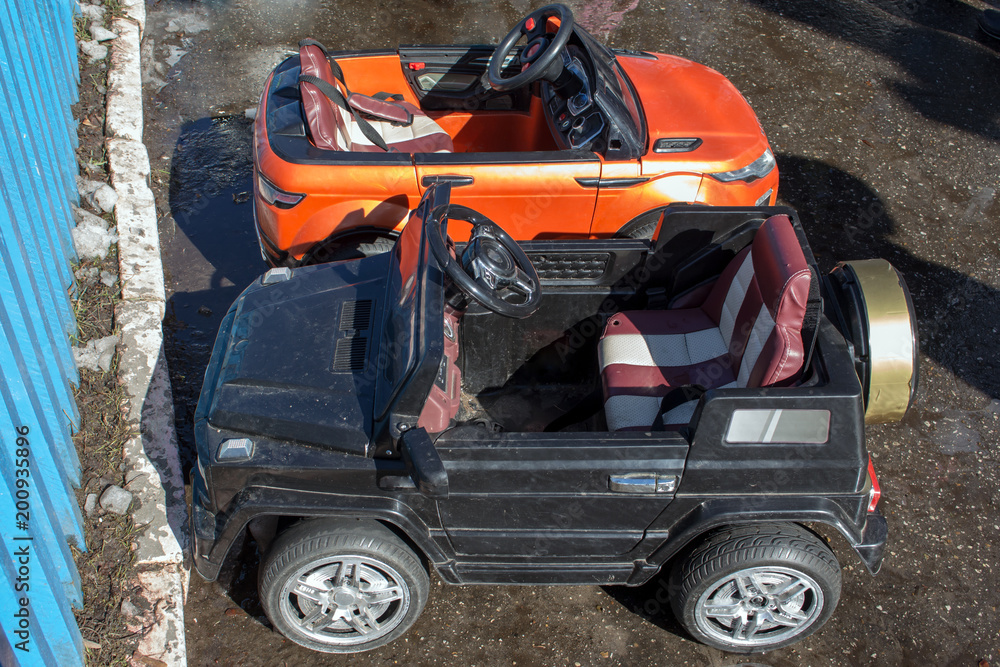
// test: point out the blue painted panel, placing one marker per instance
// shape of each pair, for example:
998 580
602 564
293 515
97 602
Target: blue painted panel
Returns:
51 99
45 496
27 176
39 74
15 225
25 383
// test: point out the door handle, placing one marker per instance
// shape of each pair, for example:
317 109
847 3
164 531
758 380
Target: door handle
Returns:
456 180
642 482
610 182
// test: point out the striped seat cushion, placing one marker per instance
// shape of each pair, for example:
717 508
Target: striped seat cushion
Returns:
748 333
334 128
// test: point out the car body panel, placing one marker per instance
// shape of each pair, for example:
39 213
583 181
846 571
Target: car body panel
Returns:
522 172
518 504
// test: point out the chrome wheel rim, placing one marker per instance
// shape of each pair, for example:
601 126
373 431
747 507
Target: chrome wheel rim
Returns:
345 600
759 607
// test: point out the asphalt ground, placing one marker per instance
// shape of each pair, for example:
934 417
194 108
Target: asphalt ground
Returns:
885 117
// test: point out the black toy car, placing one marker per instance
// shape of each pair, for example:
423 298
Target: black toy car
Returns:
554 412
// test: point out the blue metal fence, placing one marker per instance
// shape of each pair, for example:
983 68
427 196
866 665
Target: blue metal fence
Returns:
39 515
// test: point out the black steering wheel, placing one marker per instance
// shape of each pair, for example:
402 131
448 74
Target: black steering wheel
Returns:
493 265
542 57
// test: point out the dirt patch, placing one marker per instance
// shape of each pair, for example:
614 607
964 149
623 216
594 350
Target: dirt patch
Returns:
107 570
107 573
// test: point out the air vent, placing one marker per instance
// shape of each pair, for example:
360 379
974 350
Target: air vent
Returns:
349 356
356 316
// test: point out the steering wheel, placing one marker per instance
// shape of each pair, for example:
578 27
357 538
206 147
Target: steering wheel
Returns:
493 265
541 58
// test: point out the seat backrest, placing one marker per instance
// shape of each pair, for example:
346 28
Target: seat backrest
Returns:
329 125
759 303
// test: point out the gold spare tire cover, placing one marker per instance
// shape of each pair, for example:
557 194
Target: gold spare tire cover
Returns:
892 340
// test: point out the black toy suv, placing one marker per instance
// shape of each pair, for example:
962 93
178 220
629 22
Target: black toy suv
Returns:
555 412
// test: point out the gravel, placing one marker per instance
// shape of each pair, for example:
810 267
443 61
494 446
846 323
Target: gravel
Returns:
101 34
116 500
94 50
105 198
96 355
90 505
91 236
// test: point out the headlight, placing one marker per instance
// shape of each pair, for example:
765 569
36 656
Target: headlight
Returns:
759 168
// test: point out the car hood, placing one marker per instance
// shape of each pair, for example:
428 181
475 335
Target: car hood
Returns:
682 99
292 358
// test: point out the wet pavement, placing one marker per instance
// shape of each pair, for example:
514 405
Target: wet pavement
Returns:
885 119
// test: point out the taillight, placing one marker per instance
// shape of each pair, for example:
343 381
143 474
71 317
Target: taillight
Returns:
276 197
876 492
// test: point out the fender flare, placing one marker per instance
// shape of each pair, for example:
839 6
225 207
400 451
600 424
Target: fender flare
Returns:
253 502
867 539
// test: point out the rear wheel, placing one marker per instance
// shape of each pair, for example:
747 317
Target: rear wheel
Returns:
341 586
748 589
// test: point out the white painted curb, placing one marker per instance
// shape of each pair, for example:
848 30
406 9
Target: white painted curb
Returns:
151 456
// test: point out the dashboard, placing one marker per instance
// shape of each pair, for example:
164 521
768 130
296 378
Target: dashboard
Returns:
576 122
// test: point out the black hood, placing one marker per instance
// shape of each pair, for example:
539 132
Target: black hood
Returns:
293 358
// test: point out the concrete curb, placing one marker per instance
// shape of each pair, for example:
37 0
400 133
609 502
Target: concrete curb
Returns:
151 455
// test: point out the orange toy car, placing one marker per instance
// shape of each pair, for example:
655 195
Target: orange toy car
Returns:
561 137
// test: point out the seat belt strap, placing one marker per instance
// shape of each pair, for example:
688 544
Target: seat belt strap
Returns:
338 98
338 73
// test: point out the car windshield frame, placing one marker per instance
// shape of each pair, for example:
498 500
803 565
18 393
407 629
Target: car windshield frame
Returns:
610 98
411 343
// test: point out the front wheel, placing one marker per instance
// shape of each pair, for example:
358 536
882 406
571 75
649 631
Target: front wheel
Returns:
342 586
749 589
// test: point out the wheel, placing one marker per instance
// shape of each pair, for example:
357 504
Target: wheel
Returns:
748 589
642 232
342 586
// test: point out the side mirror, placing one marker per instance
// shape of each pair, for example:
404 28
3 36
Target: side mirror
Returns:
424 464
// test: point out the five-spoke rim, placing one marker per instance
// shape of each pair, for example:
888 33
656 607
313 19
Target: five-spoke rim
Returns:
759 606
345 600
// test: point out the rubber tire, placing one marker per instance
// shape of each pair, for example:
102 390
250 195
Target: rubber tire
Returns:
643 232
319 538
349 250
641 227
733 548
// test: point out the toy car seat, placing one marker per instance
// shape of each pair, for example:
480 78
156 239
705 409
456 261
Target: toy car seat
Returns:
747 333
340 120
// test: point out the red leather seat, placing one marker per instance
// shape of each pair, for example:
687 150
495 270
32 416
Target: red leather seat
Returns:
335 128
747 333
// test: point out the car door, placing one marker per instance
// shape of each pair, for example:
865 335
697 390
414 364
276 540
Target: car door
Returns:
555 494
532 195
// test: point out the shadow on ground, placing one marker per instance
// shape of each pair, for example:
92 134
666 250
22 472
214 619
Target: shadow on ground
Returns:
210 201
845 219
937 45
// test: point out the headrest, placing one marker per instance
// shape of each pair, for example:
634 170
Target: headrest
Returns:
314 62
780 268
322 119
